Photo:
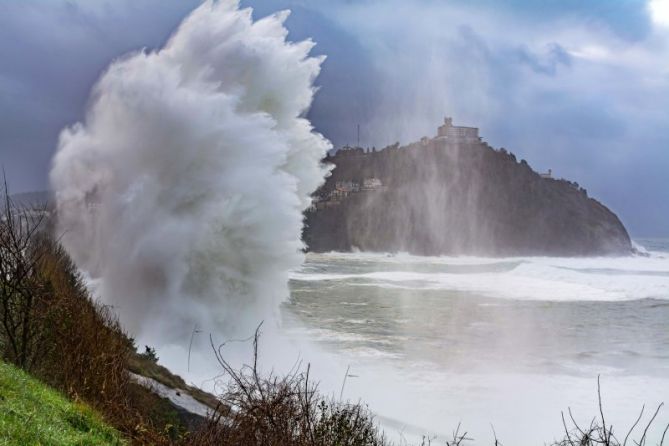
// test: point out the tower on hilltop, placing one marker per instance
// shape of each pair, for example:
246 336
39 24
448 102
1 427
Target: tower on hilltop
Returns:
452 133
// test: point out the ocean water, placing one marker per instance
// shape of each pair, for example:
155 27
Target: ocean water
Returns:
436 341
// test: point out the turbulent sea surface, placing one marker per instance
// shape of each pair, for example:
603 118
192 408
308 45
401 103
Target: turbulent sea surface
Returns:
434 341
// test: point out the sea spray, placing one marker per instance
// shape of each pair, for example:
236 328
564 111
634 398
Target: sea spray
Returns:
181 193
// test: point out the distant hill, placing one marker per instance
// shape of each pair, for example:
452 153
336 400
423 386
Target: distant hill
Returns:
456 195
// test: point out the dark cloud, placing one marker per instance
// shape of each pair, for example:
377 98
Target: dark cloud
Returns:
570 85
52 53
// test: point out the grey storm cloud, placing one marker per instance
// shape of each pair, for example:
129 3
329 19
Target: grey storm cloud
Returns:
52 53
546 63
575 86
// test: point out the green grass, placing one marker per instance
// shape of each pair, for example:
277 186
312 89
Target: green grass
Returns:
32 414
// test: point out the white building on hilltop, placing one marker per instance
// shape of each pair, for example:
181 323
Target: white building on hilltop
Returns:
452 133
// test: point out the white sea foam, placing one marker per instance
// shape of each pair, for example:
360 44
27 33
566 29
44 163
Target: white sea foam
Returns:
504 360
531 278
181 194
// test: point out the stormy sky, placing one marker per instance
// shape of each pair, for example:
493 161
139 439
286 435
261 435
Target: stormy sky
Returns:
579 87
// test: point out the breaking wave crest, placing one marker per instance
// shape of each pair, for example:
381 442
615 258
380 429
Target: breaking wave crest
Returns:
529 278
181 193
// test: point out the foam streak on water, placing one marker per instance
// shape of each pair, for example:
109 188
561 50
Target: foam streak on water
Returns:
557 279
512 342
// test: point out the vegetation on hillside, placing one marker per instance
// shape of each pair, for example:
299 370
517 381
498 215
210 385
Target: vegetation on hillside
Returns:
50 327
31 413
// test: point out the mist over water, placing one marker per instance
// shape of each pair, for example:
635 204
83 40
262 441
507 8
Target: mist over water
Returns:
181 193
434 341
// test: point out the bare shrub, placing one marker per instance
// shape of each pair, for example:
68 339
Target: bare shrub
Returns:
87 353
24 298
598 433
275 411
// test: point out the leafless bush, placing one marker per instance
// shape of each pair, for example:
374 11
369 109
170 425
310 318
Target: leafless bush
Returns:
598 433
276 411
458 439
24 298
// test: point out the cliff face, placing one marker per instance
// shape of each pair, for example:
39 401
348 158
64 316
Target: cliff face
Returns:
441 198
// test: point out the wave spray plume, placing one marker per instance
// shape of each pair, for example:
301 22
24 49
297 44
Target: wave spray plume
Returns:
181 194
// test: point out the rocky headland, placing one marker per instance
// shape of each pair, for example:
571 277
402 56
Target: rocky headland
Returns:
455 195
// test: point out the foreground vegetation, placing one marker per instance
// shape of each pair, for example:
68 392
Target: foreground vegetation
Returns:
282 410
51 328
31 413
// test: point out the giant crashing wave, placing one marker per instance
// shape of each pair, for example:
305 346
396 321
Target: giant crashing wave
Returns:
181 193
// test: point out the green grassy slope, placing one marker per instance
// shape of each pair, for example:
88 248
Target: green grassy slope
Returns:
31 413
